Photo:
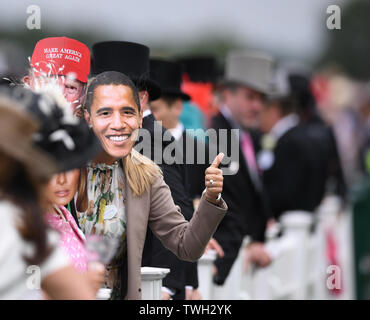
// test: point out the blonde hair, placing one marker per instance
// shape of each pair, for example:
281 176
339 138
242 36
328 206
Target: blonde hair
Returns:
140 172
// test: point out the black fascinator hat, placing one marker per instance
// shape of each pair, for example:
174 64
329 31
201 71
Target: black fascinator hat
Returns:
65 138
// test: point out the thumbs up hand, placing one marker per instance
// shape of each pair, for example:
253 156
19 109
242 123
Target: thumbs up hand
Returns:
214 180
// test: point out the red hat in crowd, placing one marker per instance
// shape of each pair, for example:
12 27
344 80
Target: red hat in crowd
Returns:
61 56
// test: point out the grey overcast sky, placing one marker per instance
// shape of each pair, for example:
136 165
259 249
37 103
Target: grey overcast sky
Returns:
294 26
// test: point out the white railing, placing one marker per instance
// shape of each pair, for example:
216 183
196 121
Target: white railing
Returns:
299 267
205 264
151 284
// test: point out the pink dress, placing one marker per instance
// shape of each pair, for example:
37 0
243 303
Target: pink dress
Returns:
72 240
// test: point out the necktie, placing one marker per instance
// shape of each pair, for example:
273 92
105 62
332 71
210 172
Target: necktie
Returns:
248 151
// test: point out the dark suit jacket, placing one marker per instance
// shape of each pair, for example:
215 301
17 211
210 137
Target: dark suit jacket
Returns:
196 164
297 178
327 150
195 172
247 207
154 253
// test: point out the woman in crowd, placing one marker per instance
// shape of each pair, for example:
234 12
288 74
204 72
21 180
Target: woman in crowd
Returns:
125 191
59 192
30 255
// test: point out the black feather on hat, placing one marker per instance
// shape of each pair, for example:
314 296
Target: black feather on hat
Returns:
129 58
66 138
16 131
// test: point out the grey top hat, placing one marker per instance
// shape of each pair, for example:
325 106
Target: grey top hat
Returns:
250 68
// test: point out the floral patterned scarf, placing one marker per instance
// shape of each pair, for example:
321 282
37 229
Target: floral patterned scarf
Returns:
106 216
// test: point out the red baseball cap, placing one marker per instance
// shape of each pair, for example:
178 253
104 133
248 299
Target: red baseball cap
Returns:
61 56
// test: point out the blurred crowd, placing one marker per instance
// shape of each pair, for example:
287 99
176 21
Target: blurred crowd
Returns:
289 136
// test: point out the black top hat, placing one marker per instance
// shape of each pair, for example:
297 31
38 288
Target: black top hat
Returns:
168 75
129 58
293 85
200 68
66 138
300 88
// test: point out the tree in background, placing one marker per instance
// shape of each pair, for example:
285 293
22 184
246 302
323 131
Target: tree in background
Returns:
349 47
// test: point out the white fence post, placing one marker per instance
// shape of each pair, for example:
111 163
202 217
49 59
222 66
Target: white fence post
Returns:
103 294
246 292
205 264
258 279
231 289
331 219
151 282
296 225
285 277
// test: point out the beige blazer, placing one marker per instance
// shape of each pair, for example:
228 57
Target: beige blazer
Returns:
185 239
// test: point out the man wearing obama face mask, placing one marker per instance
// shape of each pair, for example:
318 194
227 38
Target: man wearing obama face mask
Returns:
65 61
